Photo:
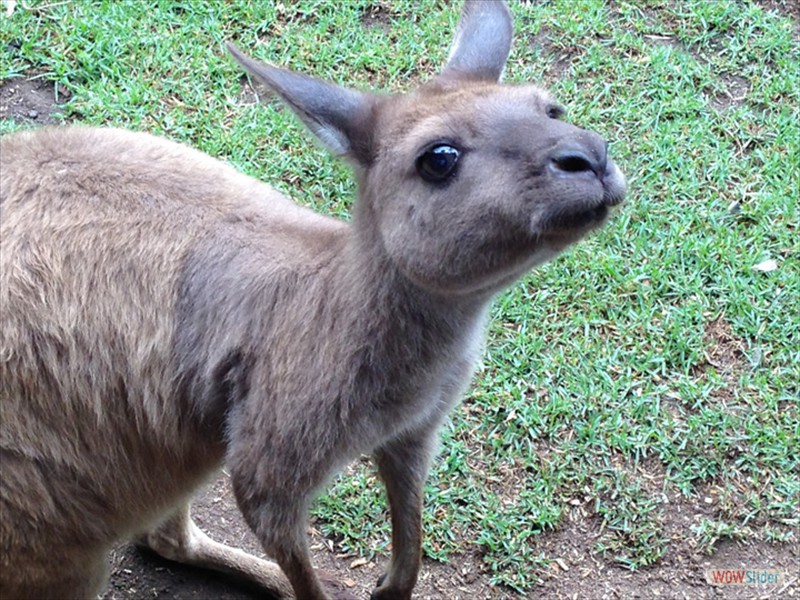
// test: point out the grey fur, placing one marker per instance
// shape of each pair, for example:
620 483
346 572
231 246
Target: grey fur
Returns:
163 315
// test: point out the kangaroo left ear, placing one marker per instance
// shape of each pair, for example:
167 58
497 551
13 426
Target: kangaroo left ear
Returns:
482 42
338 116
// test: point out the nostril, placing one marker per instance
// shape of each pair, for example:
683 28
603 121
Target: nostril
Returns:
573 162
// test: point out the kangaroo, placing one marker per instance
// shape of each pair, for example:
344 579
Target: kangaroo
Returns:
164 315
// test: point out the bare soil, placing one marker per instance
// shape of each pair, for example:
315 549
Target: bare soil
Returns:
786 8
31 100
576 570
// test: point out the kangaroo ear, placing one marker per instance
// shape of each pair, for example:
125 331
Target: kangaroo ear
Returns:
482 42
339 117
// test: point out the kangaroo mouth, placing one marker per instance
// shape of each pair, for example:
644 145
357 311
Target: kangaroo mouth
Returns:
582 219
574 218
579 217
566 222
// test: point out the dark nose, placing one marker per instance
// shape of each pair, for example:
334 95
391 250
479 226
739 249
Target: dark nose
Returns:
586 155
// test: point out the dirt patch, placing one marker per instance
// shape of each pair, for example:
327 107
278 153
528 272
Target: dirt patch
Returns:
33 99
736 90
376 15
560 58
724 350
250 95
785 8
576 570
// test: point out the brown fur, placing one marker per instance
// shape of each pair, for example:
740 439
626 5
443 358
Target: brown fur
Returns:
163 315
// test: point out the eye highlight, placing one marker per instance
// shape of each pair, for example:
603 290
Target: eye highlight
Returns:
438 163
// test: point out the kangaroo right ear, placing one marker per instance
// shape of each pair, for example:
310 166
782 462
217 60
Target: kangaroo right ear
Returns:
339 117
482 42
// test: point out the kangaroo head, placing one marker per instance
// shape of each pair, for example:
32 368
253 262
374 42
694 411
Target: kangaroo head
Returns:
466 183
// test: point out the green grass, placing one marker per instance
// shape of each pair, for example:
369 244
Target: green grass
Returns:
650 361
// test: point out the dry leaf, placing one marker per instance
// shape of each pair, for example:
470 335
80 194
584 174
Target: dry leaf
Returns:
766 266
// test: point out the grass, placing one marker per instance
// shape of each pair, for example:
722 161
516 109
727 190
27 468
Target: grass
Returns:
652 362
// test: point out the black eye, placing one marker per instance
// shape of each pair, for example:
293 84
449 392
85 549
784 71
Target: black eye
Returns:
438 163
554 112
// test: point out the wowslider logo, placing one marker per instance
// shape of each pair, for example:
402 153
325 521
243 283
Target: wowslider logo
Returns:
745 576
